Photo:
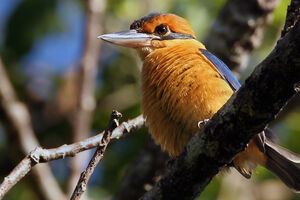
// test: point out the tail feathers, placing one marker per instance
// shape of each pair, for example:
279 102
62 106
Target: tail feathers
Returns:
284 164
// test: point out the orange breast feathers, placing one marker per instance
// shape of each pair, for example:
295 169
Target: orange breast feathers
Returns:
180 87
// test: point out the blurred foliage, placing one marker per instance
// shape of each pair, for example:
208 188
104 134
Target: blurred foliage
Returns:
30 20
118 87
212 190
274 30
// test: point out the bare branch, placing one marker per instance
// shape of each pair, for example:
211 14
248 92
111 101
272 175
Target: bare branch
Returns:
238 30
247 113
40 155
16 175
89 70
98 155
19 116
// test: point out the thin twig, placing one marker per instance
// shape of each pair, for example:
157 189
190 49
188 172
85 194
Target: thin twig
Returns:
87 80
40 155
19 116
98 155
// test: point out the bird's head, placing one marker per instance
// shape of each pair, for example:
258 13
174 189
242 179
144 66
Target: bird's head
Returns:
156 30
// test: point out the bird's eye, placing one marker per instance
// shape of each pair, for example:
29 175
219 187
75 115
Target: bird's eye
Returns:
161 29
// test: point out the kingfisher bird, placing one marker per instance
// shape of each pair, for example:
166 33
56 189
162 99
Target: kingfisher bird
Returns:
184 84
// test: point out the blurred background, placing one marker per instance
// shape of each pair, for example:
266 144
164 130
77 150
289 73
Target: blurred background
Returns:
43 45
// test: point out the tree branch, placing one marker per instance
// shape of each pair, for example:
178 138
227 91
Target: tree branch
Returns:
40 155
247 113
98 155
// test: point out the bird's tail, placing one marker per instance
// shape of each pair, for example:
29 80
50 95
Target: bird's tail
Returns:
284 164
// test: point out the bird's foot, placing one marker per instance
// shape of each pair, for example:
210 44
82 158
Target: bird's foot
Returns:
202 123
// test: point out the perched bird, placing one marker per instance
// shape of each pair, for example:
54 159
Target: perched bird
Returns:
183 84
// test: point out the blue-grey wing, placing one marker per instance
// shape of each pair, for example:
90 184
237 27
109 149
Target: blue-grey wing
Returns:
223 70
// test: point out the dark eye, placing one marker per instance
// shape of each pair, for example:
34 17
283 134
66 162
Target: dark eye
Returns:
161 29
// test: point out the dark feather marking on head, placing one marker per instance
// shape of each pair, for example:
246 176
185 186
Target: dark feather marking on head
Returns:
137 24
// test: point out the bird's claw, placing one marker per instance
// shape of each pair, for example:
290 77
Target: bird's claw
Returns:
202 123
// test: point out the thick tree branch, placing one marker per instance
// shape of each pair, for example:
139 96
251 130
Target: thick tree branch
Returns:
238 30
88 73
19 117
247 113
40 155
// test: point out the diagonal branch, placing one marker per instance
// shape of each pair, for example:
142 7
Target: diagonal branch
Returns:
40 155
247 113
19 116
98 155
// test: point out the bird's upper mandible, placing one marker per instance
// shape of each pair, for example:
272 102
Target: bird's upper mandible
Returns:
155 30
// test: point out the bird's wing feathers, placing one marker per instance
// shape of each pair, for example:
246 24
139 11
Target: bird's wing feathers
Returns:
222 69
228 76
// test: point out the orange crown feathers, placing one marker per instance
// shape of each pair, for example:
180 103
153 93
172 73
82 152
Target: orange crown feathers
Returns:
176 24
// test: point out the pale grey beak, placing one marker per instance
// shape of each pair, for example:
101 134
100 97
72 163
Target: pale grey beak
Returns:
130 38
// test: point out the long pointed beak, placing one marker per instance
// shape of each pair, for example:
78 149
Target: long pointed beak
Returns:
130 38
